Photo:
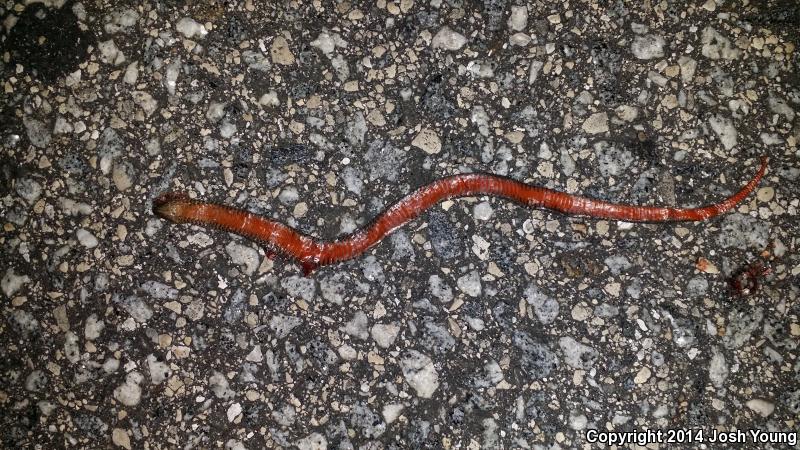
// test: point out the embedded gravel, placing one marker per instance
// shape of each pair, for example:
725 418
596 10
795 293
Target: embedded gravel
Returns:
482 323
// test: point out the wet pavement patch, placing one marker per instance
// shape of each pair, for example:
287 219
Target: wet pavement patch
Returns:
48 41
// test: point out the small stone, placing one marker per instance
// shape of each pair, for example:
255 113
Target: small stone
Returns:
688 67
724 129
642 376
348 353
419 373
519 39
480 247
255 355
648 46
72 347
137 308
627 113
440 289
385 334
280 52
282 325
234 444
519 18
742 231
515 137
763 407
470 284
300 209
189 28
215 111
86 238
233 411
38 132
129 393
533 71
131 73
325 42
706 266
314 441
121 177
391 412
29 190
93 327
596 123
109 53
576 354
578 422
717 46
766 194
120 438
62 320
227 129
448 39
269 99
428 141
302 287
482 211
580 313
159 370
244 256
357 326
375 117
11 282
333 288
718 369
159 290
613 288
145 101
544 306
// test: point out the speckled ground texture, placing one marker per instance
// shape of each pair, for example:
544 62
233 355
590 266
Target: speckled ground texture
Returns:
480 324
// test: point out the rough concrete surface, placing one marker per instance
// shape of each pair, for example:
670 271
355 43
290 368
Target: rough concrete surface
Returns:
480 324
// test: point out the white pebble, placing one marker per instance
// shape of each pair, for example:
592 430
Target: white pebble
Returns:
519 18
482 211
596 123
93 327
420 374
109 52
297 286
648 46
448 39
86 238
724 129
763 407
385 334
470 284
189 28
11 282
269 99
392 411
428 141
314 441
233 411
244 256
255 355
129 393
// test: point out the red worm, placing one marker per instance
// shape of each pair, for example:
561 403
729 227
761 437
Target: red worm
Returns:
312 253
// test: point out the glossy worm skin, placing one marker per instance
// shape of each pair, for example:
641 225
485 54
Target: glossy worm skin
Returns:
312 253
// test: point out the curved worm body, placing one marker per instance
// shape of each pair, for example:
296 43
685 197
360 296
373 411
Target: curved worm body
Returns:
312 253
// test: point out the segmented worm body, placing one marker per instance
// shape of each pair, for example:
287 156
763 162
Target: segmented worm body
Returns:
312 253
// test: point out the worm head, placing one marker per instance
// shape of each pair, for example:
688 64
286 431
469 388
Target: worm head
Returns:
171 205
